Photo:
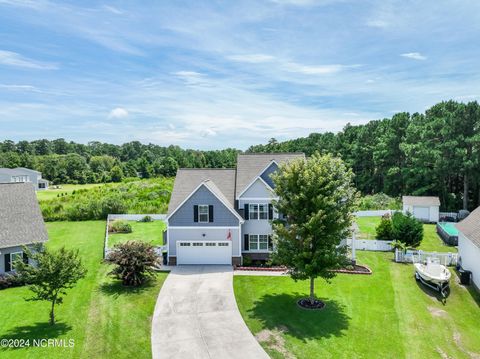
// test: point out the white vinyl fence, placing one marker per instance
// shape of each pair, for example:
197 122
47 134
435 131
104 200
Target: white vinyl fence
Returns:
376 213
414 256
454 215
373 245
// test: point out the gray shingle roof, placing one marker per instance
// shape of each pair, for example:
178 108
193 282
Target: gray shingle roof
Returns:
421 201
470 227
250 165
219 181
21 221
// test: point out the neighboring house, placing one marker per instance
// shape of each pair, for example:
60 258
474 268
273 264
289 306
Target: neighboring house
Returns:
219 216
424 208
469 245
21 222
20 174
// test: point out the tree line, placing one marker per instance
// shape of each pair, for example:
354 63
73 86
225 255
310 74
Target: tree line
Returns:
96 162
432 153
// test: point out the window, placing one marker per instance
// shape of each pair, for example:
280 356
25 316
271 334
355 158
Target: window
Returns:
210 244
223 244
15 256
263 242
263 211
258 242
198 244
184 244
41 185
258 211
253 211
203 213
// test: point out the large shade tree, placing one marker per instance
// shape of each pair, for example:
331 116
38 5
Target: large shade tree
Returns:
316 202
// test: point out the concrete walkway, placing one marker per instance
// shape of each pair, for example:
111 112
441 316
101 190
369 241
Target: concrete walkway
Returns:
196 316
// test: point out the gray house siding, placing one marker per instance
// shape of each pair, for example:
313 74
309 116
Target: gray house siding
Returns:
4 251
222 216
257 190
197 234
266 174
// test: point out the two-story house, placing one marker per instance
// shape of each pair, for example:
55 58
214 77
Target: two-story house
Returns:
219 216
21 223
21 175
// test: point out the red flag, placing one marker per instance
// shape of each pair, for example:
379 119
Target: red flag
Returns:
229 235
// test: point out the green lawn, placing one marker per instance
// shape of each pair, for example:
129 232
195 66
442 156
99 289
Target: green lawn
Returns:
431 241
151 232
51 192
385 315
105 319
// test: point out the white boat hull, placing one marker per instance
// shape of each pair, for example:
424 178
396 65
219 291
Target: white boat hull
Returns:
439 277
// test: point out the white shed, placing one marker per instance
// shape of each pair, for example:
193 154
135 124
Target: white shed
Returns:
469 245
424 208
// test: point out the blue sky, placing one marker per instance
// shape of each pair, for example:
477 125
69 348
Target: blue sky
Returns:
216 74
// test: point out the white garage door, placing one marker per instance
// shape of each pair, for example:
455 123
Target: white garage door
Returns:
421 213
204 252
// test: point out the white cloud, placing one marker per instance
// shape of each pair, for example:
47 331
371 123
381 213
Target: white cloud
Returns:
190 77
11 58
118 112
378 23
316 70
112 9
414 56
252 58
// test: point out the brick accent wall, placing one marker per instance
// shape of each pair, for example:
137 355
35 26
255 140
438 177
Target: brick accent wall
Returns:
236 261
172 261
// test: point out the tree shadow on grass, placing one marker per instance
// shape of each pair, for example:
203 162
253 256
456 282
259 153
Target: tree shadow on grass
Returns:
281 312
116 288
39 330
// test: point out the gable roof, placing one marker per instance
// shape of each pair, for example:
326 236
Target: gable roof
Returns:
21 220
421 201
221 182
250 166
470 227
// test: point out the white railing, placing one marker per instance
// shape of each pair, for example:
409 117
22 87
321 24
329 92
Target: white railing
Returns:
414 256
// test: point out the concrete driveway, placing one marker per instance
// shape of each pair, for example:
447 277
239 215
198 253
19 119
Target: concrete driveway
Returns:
196 316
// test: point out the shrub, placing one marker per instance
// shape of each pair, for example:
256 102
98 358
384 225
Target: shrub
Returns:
119 226
378 201
135 262
11 280
384 229
146 219
407 229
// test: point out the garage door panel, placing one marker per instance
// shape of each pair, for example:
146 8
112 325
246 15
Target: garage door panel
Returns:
421 212
204 252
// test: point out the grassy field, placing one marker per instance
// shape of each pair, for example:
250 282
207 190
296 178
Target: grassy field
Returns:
52 193
431 241
385 315
151 232
105 319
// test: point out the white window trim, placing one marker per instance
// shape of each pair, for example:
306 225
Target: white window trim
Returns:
12 268
258 250
208 213
258 212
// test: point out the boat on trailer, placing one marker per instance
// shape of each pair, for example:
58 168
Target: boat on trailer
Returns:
433 275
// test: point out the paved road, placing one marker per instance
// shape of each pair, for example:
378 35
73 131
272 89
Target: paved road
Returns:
196 316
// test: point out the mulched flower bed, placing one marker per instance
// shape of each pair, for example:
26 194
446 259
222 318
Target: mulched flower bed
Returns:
265 269
305 303
357 269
